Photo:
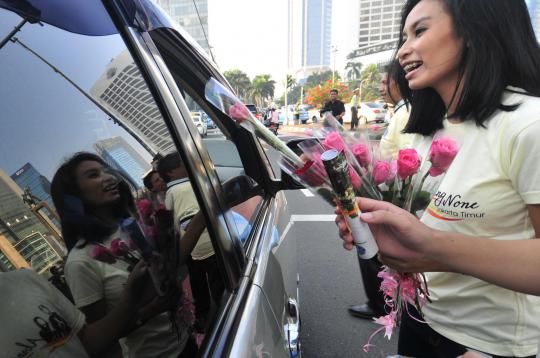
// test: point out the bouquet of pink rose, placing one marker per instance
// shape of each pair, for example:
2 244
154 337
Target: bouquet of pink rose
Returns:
410 185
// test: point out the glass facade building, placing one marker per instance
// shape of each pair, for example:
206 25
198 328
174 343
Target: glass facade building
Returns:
20 229
316 32
121 156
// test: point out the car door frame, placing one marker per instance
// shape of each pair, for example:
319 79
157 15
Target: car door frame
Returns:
240 269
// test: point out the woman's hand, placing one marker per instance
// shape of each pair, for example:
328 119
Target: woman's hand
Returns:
402 239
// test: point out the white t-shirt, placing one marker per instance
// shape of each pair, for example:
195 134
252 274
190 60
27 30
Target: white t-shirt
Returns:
485 192
36 319
181 199
91 280
393 140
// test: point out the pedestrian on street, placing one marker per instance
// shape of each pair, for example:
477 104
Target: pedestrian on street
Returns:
355 105
335 106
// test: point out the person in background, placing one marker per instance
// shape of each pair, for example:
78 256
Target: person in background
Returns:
335 106
355 105
92 200
393 138
471 71
156 185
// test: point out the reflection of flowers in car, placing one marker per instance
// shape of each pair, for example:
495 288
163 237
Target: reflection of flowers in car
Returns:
119 250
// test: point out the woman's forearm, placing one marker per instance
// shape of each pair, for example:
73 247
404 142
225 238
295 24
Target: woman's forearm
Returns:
512 264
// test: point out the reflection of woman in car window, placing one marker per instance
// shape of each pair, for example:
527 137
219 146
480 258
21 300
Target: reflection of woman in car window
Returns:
91 201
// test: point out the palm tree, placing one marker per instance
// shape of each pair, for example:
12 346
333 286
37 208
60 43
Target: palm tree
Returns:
369 80
239 81
354 69
262 89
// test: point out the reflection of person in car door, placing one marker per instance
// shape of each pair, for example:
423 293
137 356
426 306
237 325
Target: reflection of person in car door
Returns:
206 282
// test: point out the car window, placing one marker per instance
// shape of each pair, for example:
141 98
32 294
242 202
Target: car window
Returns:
67 97
230 160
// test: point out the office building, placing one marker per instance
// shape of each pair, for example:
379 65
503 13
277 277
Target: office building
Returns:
309 38
121 156
123 91
24 240
192 16
379 21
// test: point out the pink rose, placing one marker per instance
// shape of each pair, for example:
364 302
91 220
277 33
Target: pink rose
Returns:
311 173
334 141
119 247
362 154
441 154
103 254
381 171
239 112
145 209
408 163
356 182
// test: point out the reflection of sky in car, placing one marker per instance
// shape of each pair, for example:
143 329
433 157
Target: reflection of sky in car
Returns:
56 106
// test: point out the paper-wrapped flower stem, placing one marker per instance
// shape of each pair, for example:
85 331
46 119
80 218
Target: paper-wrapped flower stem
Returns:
228 103
338 172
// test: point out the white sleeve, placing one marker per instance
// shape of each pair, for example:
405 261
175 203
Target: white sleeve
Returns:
524 163
73 317
85 282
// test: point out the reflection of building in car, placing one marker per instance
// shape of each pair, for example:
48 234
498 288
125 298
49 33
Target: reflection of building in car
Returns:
24 240
120 155
122 90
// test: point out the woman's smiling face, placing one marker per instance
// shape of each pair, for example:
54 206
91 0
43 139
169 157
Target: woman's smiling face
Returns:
97 185
431 53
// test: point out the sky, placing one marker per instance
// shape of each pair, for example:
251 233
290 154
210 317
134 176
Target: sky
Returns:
252 35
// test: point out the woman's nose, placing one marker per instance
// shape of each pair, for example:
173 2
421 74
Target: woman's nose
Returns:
403 52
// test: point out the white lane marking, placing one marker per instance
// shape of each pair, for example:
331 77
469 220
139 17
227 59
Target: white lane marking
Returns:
307 193
313 218
295 218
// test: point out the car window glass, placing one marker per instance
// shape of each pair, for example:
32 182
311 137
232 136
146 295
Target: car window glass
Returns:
63 94
229 163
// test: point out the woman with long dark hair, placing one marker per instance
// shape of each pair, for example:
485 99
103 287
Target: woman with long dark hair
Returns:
92 201
472 69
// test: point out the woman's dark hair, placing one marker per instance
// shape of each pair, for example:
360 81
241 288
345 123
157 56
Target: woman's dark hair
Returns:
500 50
76 219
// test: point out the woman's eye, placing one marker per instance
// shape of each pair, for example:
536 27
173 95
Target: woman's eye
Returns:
419 31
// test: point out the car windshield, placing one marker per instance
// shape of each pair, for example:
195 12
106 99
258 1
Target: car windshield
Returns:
375 105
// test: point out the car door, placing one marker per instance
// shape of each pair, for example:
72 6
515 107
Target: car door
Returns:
142 77
269 275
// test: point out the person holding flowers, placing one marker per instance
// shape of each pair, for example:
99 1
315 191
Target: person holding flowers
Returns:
471 69
92 202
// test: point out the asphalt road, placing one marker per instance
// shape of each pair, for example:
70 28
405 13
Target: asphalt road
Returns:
330 282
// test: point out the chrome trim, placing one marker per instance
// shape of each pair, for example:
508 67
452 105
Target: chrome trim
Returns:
292 328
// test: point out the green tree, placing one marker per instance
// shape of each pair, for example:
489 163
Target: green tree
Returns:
370 79
262 89
318 95
239 81
354 71
319 78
